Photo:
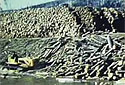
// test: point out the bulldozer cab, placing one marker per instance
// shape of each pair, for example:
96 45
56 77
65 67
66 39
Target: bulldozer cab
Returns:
12 59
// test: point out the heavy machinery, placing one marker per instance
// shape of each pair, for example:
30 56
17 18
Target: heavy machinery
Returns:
15 63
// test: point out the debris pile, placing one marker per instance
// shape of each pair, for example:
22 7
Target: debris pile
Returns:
89 57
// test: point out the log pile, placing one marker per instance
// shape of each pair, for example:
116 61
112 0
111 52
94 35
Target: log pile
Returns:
41 22
76 48
92 56
104 19
59 21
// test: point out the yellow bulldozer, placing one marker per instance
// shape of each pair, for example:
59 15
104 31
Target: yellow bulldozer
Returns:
26 62
15 62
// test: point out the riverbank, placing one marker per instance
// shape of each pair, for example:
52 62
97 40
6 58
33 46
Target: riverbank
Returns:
52 81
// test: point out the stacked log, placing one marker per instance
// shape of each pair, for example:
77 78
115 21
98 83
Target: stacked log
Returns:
89 57
59 21
76 48
41 22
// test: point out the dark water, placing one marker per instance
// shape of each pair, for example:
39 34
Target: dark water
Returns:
50 81
34 81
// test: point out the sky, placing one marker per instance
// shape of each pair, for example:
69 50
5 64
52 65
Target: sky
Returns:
17 4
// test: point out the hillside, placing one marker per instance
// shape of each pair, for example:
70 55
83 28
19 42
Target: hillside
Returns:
93 3
14 5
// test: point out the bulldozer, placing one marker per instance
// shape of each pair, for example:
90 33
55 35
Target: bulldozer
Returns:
13 62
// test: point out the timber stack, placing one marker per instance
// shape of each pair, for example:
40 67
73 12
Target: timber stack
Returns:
92 56
81 46
59 21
